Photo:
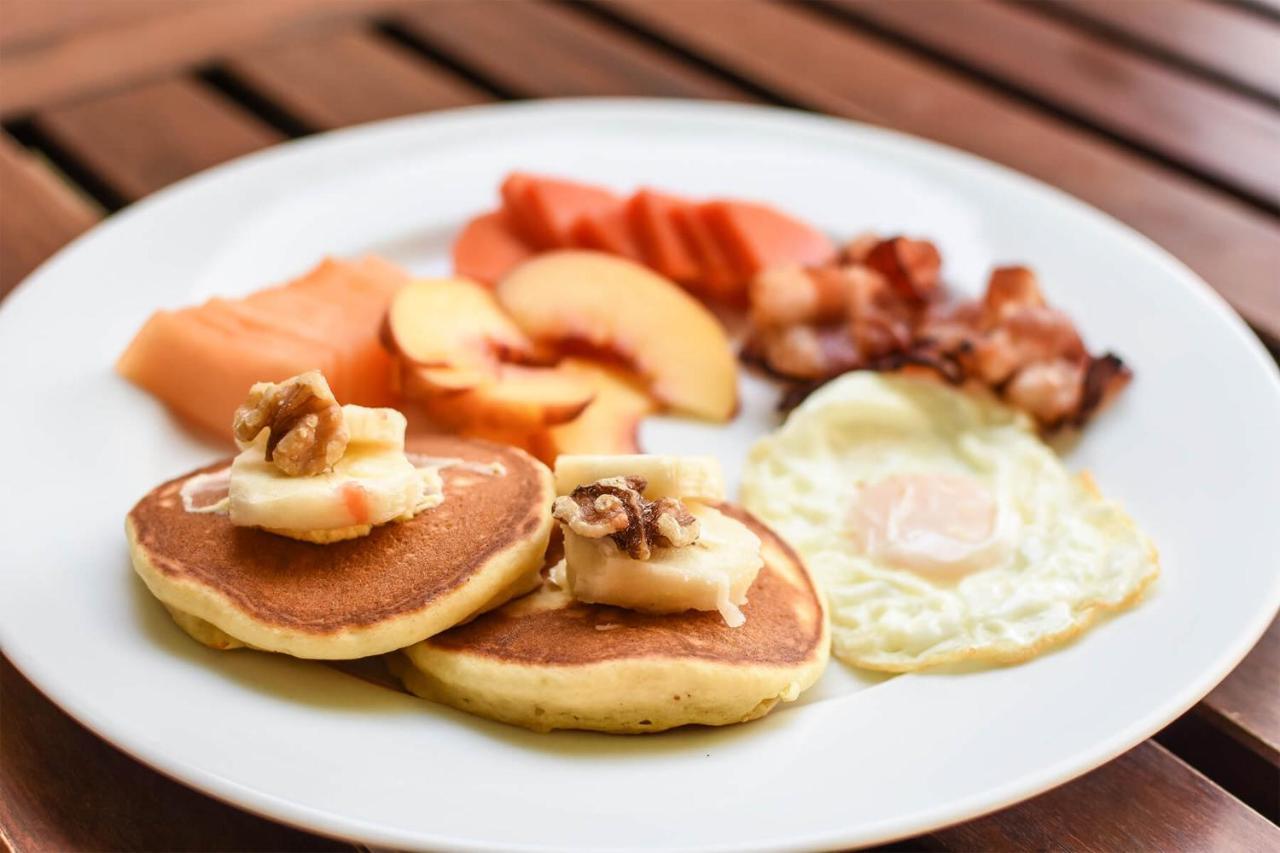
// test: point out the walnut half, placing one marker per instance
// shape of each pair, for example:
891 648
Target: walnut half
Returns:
306 434
615 507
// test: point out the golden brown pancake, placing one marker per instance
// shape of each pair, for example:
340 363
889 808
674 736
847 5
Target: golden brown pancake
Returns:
403 582
546 661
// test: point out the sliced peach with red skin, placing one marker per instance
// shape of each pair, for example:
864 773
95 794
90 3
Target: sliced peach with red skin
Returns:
515 398
488 248
453 324
611 304
611 423
757 237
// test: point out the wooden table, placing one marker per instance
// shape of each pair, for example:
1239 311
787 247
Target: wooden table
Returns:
1163 113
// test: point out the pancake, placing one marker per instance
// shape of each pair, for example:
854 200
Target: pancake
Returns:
230 586
547 662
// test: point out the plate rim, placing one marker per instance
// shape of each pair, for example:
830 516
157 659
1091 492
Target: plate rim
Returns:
336 825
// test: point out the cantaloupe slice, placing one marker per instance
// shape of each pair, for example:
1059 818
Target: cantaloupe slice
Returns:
202 368
650 216
756 237
488 248
201 361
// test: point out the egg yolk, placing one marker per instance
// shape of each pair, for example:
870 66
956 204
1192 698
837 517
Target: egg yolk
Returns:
938 525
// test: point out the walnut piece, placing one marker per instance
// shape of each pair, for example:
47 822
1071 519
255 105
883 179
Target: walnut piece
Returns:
615 507
306 434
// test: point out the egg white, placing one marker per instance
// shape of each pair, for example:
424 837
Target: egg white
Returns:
1072 554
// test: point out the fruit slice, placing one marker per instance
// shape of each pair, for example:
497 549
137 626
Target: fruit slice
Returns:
757 237
717 278
713 573
453 323
613 304
488 248
607 232
609 424
516 204
516 399
201 361
695 478
650 215
557 205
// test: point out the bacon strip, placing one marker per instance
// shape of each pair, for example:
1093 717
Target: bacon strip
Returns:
881 305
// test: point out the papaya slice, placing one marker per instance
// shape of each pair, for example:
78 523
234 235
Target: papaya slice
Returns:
717 279
607 232
650 216
519 209
488 247
757 236
557 205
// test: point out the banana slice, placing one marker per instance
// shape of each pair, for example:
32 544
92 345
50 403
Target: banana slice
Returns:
713 573
373 483
695 478
374 426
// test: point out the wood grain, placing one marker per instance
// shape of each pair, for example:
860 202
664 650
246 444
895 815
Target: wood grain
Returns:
38 213
30 22
795 53
535 49
1147 799
1223 40
1246 705
147 137
101 59
1219 133
347 78
63 788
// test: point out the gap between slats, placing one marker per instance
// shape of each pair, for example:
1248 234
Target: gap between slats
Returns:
1217 136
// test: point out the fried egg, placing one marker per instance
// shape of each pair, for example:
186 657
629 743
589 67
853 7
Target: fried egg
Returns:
942 528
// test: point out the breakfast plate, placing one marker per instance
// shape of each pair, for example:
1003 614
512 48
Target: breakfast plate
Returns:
1189 450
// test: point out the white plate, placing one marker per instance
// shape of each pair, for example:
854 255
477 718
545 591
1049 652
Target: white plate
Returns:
1191 449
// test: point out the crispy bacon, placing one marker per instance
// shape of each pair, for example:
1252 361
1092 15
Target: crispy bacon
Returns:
881 306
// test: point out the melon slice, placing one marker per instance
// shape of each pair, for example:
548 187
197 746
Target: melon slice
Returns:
488 248
201 361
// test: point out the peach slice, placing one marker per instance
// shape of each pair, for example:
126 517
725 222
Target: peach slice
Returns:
453 324
610 423
612 304
516 399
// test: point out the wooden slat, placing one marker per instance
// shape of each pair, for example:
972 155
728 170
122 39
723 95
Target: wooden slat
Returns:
1246 704
1216 132
101 59
535 49
28 22
142 139
1147 799
62 788
347 78
1224 40
796 54
38 213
